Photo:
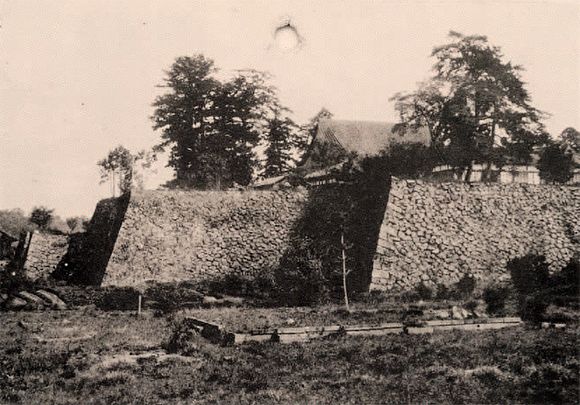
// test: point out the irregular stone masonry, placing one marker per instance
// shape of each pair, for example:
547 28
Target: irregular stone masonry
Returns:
44 253
202 235
435 233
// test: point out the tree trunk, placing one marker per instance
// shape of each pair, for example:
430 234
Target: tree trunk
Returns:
468 172
486 175
344 273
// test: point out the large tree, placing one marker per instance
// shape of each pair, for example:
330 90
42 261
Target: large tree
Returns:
212 127
281 139
185 116
475 106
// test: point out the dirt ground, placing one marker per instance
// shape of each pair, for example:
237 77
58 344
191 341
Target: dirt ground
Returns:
95 357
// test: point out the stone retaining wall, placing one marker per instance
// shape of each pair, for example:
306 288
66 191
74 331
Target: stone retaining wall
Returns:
435 233
44 254
196 235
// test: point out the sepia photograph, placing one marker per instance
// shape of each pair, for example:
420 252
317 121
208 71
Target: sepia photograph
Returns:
289 202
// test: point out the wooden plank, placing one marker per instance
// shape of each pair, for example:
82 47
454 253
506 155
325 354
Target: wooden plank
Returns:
308 329
412 330
391 325
374 332
445 322
240 338
477 326
513 319
217 334
293 338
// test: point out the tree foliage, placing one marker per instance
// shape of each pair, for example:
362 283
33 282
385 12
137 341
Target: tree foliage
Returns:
119 167
281 140
41 216
475 106
73 223
571 139
14 222
212 127
556 164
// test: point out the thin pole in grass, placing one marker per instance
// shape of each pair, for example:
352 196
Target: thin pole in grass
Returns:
344 272
139 305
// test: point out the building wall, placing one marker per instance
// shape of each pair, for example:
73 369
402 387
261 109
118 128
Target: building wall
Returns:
434 233
194 235
505 175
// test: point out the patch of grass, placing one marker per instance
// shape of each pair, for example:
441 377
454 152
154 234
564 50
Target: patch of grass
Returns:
118 363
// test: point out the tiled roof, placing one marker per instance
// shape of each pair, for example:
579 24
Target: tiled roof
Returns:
366 137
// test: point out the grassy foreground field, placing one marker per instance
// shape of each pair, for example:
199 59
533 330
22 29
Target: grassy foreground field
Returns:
94 357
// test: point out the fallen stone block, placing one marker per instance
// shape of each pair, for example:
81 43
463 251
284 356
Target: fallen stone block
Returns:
458 312
52 299
31 299
15 303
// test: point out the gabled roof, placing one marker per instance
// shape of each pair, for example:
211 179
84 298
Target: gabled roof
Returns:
366 137
268 182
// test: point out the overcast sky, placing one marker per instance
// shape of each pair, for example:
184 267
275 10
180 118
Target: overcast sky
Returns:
78 77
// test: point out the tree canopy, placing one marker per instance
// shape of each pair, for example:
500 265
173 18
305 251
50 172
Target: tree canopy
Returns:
571 139
119 167
281 141
14 222
475 106
212 127
555 164
41 216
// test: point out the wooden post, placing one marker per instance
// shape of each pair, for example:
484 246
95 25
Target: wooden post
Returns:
139 306
344 273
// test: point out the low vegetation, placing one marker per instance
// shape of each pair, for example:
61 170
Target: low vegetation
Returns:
94 357
101 352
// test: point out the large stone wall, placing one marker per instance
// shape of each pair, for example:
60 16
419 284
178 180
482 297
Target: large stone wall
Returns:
194 235
435 233
44 254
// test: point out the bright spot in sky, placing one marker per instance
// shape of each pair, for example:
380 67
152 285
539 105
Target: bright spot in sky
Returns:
286 37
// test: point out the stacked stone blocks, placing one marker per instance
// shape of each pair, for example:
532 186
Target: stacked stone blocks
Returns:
202 235
435 233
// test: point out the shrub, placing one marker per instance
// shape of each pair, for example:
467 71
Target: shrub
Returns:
495 298
424 292
565 285
170 297
529 273
530 276
551 383
261 286
184 338
443 292
465 286
471 305
118 298
299 278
